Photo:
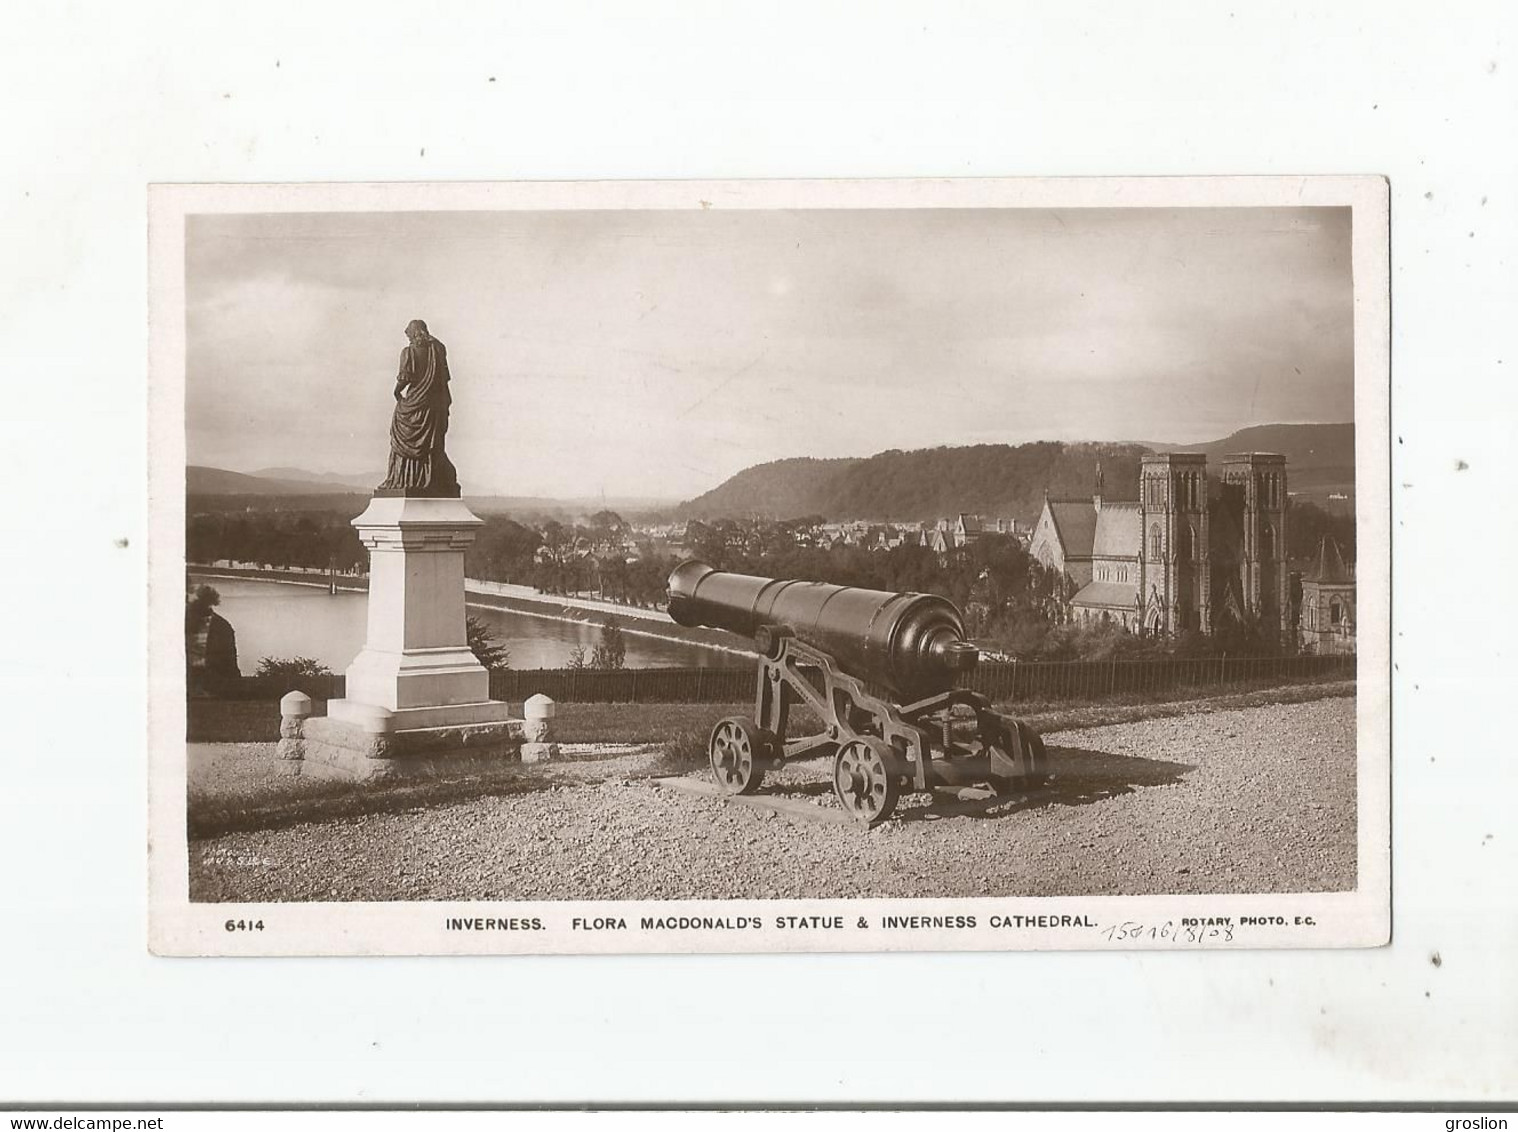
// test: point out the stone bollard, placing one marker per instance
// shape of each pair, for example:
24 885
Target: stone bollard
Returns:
539 746
294 710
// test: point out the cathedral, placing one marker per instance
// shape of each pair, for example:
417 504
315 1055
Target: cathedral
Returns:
1190 552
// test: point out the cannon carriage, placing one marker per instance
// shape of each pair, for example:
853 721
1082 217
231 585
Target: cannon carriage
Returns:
879 669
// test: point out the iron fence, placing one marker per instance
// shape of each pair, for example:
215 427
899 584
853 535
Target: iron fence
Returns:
1028 681
1032 681
626 685
1016 680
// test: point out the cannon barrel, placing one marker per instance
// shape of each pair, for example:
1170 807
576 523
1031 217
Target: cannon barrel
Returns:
912 644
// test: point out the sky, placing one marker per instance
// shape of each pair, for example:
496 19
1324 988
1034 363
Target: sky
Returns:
656 353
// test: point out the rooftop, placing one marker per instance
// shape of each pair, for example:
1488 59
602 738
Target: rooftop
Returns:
1118 531
1330 569
1075 520
1108 595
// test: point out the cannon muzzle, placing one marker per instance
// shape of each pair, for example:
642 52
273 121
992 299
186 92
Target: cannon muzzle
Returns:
912 644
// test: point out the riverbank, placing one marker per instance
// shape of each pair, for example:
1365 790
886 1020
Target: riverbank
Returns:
634 620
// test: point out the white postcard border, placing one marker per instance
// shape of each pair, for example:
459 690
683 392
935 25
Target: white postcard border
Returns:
1360 918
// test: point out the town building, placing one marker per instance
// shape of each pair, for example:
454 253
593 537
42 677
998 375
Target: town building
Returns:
1187 553
967 529
1327 619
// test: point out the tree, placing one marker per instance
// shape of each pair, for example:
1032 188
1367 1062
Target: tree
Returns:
613 575
647 579
607 530
502 551
612 651
487 648
1306 526
1245 636
563 554
707 542
291 666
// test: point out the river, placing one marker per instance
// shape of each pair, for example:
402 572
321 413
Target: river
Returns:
285 619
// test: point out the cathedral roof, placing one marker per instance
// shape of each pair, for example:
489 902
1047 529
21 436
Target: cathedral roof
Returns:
1119 531
1330 569
1075 520
1108 595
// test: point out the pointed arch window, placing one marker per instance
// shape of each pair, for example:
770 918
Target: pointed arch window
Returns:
1156 542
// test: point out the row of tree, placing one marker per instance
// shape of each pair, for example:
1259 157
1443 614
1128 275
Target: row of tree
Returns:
1010 601
312 540
560 558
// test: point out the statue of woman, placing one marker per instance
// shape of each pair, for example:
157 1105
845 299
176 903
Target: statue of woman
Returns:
418 464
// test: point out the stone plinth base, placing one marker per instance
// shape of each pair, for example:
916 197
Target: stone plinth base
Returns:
372 718
334 748
539 752
362 743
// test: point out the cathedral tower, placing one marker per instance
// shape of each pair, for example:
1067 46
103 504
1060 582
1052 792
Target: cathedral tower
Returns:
1174 577
1260 477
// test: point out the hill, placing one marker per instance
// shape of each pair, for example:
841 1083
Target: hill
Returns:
779 489
1320 458
984 479
1305 446
330 481
219 481
996 480
273 487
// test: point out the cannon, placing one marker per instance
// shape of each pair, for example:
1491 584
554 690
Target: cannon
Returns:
879 669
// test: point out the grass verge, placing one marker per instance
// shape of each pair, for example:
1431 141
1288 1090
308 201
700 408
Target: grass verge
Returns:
249 793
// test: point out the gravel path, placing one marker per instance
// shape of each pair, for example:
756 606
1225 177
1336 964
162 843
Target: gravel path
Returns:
1254 800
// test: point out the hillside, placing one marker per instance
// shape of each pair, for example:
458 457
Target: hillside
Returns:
1305 446
985 479
330 481
1320 458
781 488
998 480
272 487
218 481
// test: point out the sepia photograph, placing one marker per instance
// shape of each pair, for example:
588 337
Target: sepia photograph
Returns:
684 558
752 566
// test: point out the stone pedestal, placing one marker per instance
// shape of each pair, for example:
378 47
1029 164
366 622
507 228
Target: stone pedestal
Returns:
417 702
369 752
294 712
537 715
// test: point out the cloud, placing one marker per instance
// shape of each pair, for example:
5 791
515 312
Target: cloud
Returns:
656 353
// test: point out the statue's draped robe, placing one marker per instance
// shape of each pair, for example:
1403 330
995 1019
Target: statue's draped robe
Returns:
417 460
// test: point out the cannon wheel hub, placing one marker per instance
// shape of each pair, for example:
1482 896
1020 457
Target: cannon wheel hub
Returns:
865 780
738 752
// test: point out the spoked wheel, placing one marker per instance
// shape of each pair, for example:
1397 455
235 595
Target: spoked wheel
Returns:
865 781
737 751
